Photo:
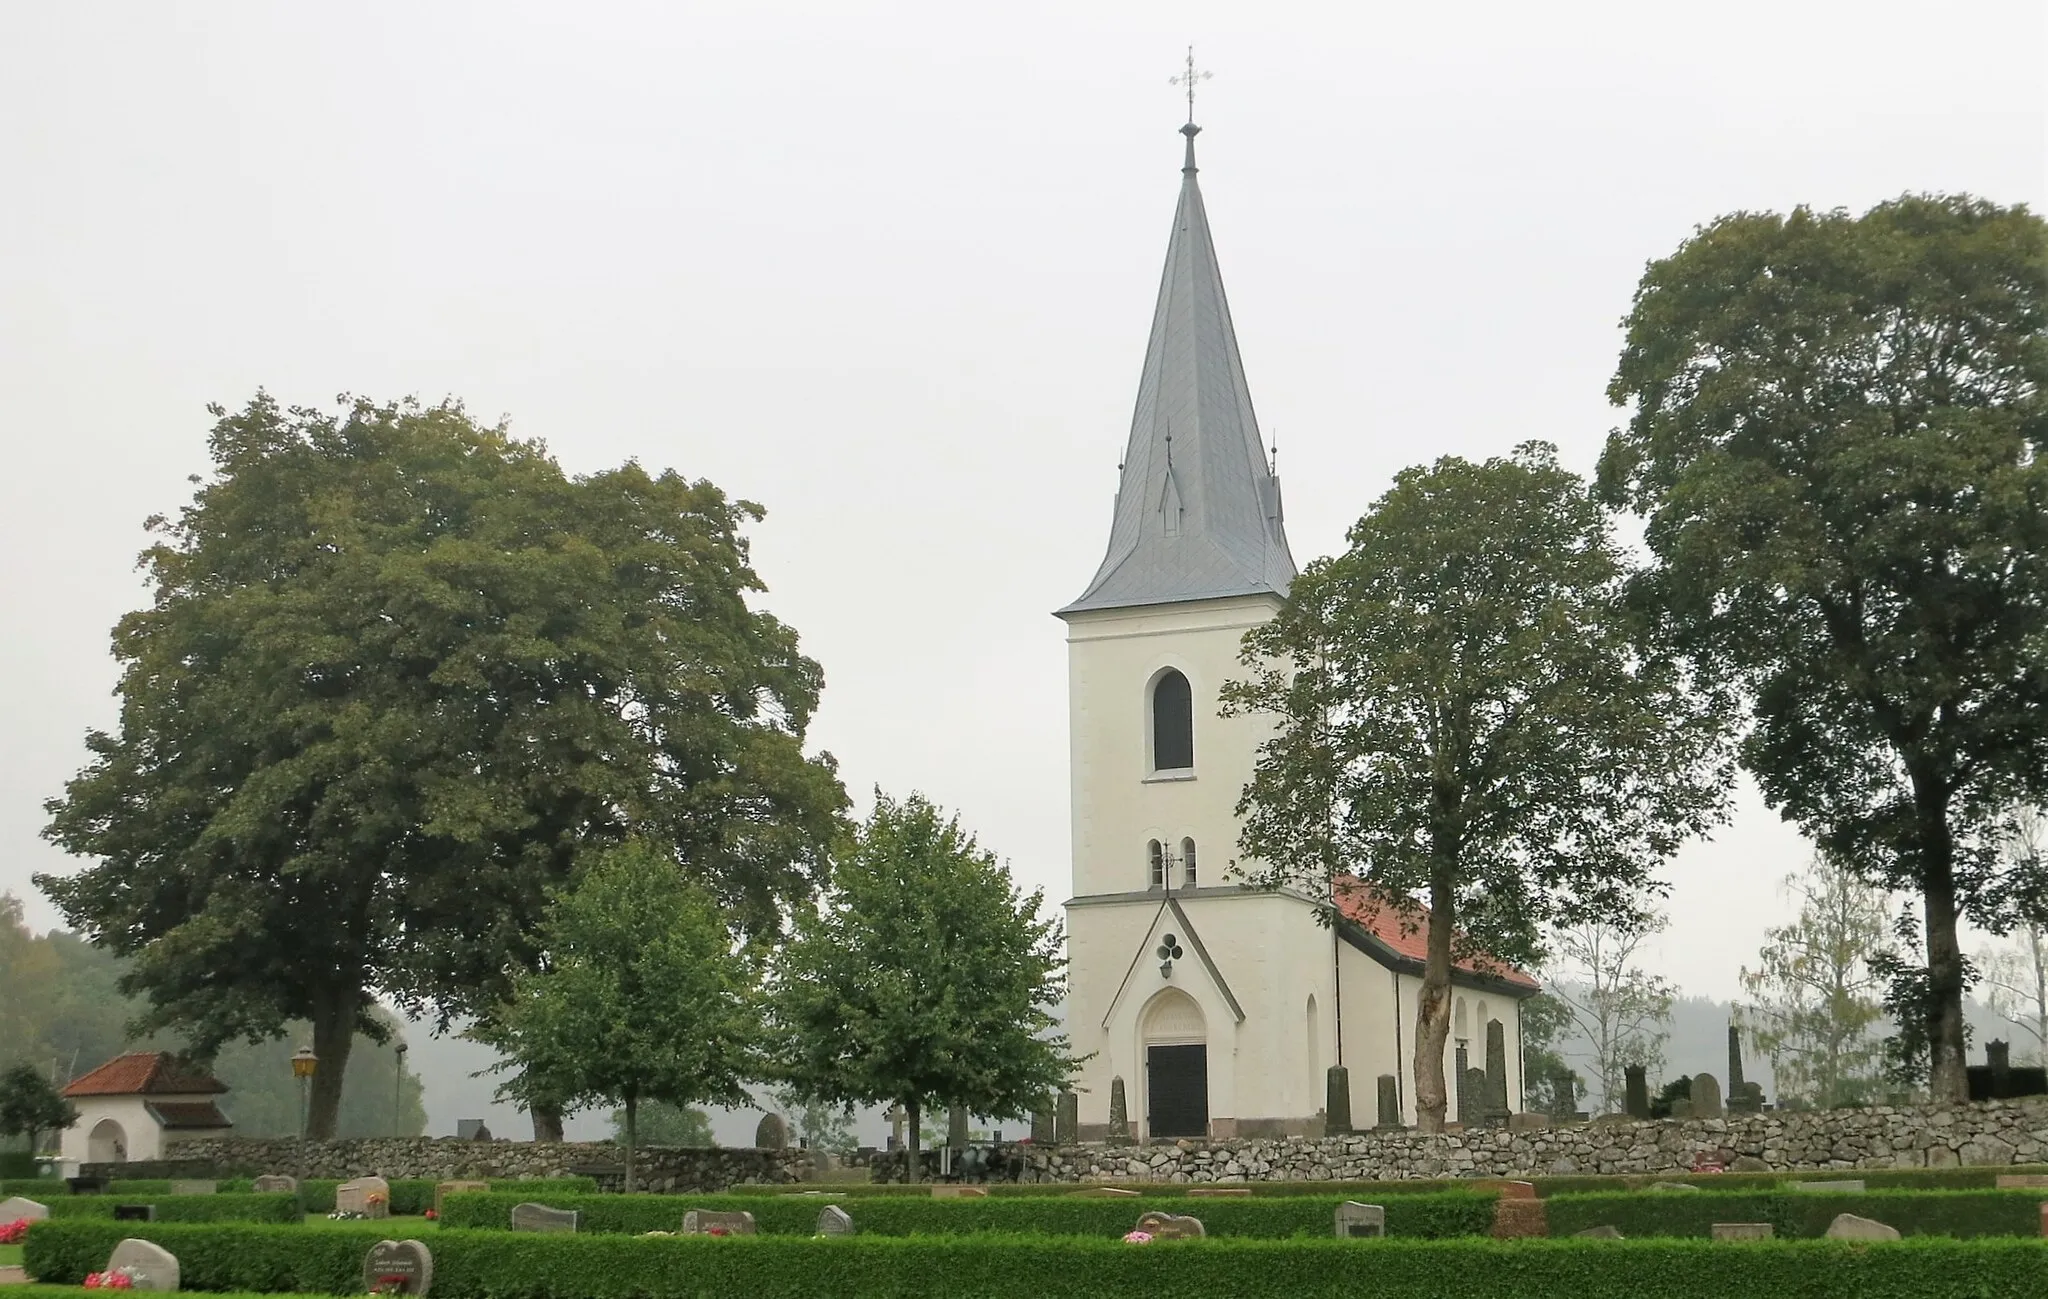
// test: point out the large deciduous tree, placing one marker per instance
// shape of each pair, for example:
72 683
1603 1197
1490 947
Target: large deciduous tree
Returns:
1466 727
399 674
1837 441
926 977
641 994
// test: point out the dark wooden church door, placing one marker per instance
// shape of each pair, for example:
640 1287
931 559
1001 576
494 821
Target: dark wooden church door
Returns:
1177 1091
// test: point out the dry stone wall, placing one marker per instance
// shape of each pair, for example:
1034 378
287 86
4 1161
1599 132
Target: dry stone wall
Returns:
1991 1134
444 1158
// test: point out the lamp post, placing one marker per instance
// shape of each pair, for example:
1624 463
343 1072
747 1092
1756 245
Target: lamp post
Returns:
304 1065
397 1091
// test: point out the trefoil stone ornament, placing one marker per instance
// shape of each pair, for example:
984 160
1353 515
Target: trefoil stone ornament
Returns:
1169 951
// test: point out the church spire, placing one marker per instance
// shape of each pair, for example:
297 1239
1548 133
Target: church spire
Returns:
1198 507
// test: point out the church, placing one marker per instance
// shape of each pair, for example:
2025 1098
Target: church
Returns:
1210 1009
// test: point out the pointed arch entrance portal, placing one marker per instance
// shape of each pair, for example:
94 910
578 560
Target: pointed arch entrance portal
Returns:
1176 1066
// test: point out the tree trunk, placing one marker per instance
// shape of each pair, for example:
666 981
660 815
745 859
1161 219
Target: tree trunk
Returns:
1433 1009
912 1171
547 1121
1947 1083
632 1134
334 1035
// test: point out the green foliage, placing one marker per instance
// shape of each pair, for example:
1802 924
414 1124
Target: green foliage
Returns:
924 978
223 1207
1799 1214
660 1124
505 1265
1815 997
30 1105
1443 1213
1837 439
1621 1011
1549 1085
1464 720
642 995
398 672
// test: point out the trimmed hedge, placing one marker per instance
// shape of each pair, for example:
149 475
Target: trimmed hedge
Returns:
409 1195
1452 1213
1800 1214
185 1208
498 1265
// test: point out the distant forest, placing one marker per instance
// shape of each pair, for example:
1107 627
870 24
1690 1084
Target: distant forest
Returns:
64 1015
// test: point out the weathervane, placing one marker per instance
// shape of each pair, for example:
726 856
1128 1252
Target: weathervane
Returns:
1188 79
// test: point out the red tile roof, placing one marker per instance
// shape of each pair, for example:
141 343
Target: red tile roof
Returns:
1369 910
144 1073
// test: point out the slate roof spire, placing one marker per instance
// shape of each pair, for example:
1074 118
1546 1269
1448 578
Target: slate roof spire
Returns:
1198 508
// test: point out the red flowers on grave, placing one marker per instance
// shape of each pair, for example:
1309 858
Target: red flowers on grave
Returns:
430 1215
13 1233
717 1231
119 1279
393 1283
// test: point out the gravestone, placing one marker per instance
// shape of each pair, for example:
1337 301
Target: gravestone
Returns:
369 1196
155 1268
17 1208
1706 1097
471 1130
771 1133
1465 1105
1847 1186
1103 1193
1219 1192
1067 1120
1355 1219
1740 1231
1169 1226
718 1222
194 1186
1119 1113
1744 1097
135 1213
273 1183
1636 1091
1389 1099
539 1217
398 1267
1496 1104
897 1115
834 1221
458 1187
1472 1094
2004 1182
956 1128
1041 1127
1847 1226
1601 1232
1681 1108
1337 1101
86 1185
956 1191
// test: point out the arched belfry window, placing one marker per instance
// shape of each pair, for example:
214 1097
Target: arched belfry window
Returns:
1187 857
1173 723
1156 855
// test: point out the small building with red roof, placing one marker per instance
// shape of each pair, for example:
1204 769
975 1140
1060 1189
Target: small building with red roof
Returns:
136 1105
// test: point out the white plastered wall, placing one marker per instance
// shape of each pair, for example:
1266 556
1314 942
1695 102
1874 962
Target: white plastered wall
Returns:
141 1137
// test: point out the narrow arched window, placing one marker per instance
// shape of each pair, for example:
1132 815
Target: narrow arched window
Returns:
1173 723
1187 857
1157 854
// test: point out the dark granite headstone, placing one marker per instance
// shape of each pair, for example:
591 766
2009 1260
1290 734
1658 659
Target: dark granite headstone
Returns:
956 1128
1337 1101
135 1213
1465 1102
1496 1106
1119 1112
1706 1097
86 1185
1636 1093
398 1267
471 1130
771 1133
1041 1127
1389 1100
1067 1120
1472 1097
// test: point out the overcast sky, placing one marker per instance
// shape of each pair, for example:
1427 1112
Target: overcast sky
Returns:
887 269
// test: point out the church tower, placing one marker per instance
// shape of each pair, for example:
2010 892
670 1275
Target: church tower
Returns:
1196 996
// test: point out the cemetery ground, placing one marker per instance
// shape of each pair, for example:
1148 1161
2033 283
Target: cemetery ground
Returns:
1920 1233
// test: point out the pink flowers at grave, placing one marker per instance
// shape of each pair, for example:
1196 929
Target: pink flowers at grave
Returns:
13 1233
1138 1238
119 1279
431 1215
717 1231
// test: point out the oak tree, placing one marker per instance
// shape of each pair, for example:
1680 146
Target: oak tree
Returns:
1836 439
1466 727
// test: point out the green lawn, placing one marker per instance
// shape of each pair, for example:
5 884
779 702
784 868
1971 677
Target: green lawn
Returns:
10 1256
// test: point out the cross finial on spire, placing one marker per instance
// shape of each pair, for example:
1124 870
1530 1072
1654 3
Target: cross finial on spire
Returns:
1188 79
